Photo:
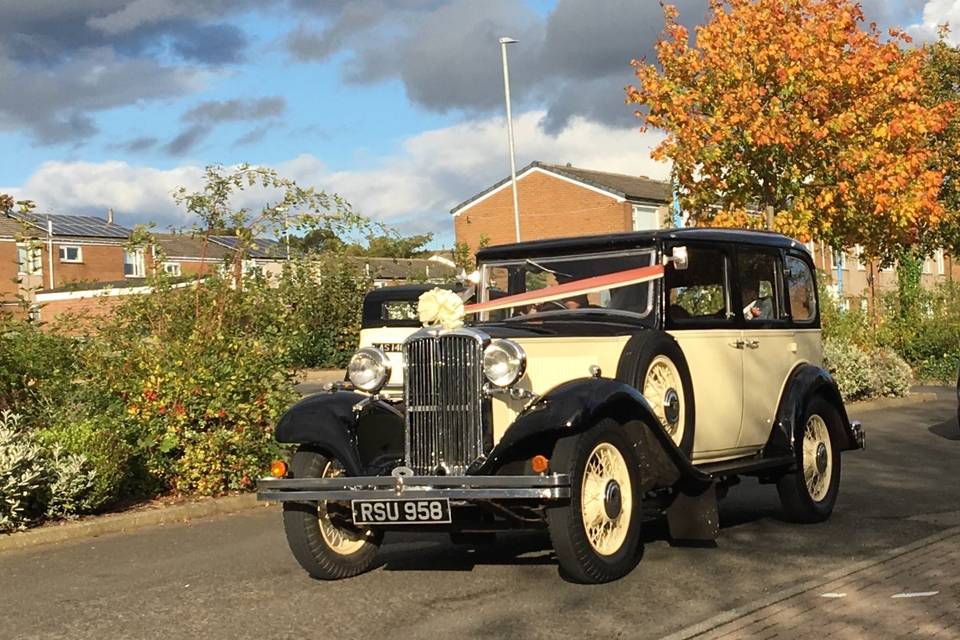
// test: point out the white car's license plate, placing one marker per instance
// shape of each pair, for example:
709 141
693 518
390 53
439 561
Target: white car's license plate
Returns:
400 511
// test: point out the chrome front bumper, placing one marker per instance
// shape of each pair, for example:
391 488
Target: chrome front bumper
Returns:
552 487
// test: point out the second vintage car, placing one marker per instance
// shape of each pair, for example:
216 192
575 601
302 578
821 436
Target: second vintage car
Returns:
593 382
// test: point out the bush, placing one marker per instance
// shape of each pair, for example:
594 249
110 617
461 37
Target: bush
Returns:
325 299
890 376
34 365
866 373
71 483
850 367
36 481
21 474
99 440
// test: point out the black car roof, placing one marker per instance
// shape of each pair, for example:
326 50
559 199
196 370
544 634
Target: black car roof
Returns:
373 302
631 240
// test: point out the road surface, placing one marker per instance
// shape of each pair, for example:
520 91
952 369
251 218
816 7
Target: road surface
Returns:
233 576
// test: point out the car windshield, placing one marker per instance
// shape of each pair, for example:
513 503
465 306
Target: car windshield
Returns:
512 277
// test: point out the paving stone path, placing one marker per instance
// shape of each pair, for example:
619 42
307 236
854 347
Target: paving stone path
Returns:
913 594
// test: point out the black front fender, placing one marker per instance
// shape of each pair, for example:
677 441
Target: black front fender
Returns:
573 407
331 423
806 382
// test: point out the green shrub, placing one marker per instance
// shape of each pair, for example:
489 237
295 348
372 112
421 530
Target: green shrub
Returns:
890 375
71 485
34 365
36 481
22 468
850 367
863 373
99 440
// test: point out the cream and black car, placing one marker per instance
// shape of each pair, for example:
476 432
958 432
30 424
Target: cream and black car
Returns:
592 383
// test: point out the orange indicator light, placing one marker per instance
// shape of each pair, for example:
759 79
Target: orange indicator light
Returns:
278 469
539 463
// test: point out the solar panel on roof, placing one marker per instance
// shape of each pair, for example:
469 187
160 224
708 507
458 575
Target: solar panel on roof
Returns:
88 226
259 247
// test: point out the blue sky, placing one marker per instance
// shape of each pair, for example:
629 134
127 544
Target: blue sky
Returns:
396 105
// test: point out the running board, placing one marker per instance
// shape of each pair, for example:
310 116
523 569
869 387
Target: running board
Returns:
746 465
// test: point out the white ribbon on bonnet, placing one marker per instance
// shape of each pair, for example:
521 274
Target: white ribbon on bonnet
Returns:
440 307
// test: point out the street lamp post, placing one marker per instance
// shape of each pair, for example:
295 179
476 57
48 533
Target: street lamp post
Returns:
513 160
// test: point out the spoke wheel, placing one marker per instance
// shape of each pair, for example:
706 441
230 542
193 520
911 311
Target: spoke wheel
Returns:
596 534
817 458
663 389
606 505
809 493
340 540
320 534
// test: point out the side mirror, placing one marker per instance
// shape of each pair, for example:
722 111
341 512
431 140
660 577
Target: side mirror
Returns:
679 257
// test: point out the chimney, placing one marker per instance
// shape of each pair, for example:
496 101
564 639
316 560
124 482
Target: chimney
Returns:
110 215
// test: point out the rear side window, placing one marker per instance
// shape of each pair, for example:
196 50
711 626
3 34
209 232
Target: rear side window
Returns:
760 286
699 293
801 290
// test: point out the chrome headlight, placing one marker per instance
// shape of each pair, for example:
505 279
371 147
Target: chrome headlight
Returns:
504 362
369 369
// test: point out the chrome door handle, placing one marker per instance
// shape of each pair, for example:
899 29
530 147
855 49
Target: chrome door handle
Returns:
752 344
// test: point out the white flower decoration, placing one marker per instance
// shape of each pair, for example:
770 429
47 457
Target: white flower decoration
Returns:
440 307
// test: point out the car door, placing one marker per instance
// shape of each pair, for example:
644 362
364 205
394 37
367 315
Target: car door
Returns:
770 347
699 314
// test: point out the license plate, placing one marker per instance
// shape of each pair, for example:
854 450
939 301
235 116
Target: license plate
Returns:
399 511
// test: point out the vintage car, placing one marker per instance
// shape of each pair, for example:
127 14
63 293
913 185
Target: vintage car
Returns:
591 383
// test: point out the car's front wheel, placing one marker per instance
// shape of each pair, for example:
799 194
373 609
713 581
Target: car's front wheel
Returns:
320 534
809 494
596 536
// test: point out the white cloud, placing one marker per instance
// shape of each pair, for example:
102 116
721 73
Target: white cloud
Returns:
414 189
438 169
136 194
936 13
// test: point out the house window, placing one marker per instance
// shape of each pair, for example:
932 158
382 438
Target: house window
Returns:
645 217
927 267
840 260
70 253
938 256
133 263
858 256
171 268
29 260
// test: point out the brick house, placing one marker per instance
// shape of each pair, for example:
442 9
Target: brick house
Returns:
181 254
852 277
47 251
562 200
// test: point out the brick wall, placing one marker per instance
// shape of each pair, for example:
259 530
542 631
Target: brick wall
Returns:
550 207
100 263
8 270
193 267
82 312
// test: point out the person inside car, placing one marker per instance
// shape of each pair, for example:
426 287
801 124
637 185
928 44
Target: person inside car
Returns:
758 308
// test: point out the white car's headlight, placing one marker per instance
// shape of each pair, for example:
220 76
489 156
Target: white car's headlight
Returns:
504 362
369 369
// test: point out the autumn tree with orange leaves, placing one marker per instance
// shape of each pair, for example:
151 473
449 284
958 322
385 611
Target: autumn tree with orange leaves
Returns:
800 106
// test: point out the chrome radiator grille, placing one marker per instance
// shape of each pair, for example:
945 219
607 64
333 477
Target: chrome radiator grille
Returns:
444 402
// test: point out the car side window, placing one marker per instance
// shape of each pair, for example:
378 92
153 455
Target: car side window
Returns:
758 274
699 292
801 289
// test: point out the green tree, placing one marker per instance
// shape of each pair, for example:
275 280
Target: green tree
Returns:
800 106
393 245
941 73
